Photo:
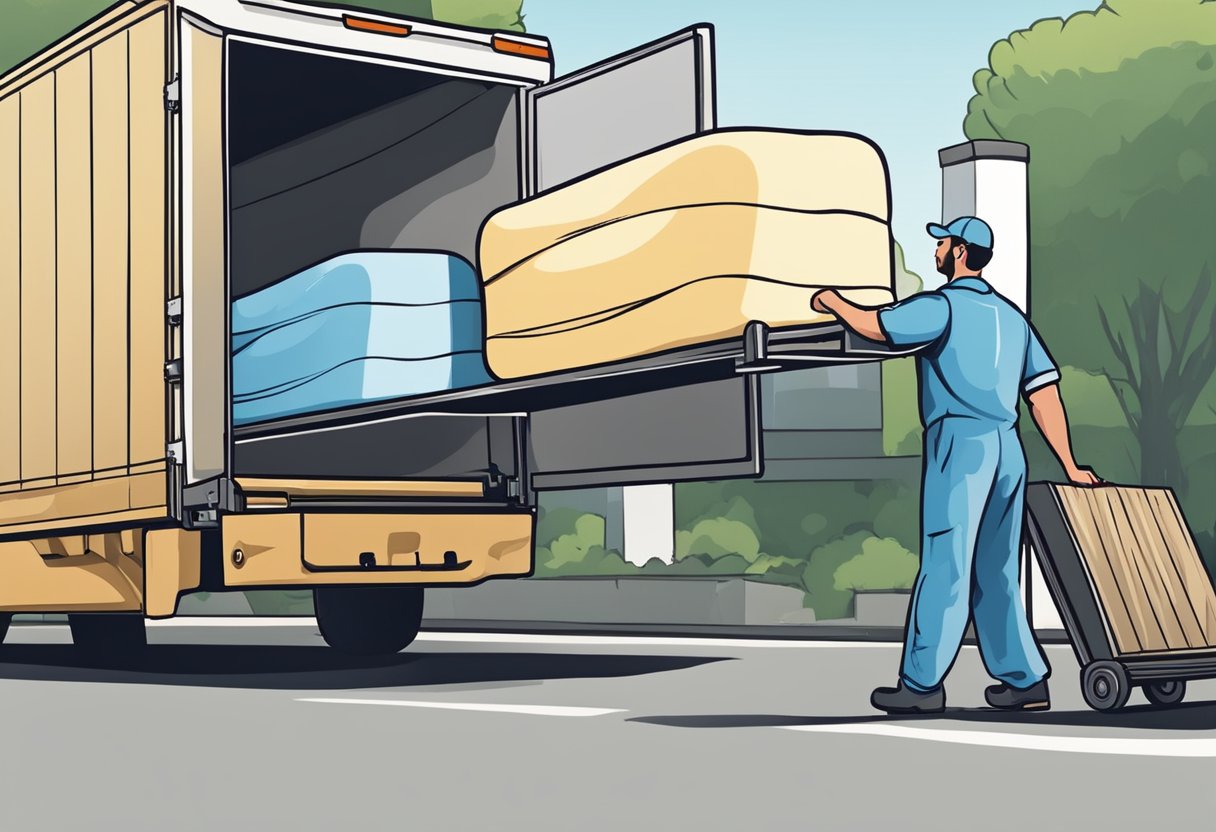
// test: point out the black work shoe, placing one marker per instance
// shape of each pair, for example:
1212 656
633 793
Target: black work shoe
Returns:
1033 698
902 700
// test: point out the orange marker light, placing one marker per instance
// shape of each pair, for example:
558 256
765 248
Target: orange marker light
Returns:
396 29
512 47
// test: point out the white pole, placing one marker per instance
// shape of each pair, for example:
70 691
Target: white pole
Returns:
650 522
988 179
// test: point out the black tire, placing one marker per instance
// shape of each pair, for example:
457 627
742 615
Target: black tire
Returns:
1165 693
111 635
369 620
1105 686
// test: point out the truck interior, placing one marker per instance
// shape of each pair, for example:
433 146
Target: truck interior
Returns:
329 155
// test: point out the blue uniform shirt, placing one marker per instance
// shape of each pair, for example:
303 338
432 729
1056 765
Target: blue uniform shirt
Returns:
981 353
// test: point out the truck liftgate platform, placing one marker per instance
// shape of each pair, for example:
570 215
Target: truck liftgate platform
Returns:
760 350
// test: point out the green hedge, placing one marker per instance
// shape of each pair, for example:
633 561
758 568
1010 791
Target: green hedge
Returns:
826 539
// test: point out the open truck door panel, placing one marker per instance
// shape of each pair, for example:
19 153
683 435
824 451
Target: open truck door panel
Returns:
620 107
284 133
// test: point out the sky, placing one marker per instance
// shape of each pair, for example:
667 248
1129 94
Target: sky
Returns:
894 70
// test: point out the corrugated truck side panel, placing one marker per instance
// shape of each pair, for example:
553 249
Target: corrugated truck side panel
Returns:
82 278
38 404
10 293
74 258
110 244
148 279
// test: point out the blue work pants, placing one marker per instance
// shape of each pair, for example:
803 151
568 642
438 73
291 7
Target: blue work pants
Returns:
971 524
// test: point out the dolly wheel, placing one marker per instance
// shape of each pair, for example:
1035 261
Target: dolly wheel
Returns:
1105 686
368 620
1165 693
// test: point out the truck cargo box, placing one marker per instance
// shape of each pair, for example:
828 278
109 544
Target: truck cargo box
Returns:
229 144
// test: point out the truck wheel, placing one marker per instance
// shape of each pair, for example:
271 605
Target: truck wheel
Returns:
1105 686
368 620
112 635
1165 693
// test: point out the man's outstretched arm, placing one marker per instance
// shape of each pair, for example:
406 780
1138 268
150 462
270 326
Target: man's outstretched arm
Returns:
1047 410
861 320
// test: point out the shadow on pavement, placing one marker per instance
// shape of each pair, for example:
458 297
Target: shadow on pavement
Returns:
1198 716
317 668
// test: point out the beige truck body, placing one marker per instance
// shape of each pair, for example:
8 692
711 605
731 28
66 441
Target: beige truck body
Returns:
113 338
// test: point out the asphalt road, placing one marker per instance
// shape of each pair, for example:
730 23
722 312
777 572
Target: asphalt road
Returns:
242 727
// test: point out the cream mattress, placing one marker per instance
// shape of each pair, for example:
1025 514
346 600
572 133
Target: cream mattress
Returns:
810 171
682 246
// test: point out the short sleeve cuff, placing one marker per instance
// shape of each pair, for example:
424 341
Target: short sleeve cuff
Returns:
1041 380
892 339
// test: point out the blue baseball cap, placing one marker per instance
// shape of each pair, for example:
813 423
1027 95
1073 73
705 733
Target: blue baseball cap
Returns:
968 229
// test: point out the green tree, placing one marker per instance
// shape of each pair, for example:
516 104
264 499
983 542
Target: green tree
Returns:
1167 358
29 25
907 282
1118 106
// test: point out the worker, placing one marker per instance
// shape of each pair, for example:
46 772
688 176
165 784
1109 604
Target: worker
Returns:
978 353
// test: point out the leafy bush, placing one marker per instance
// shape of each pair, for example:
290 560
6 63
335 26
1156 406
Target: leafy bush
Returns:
716 537
882 564
794 534
819 576
574 552
715 546
588 534
698 565
594 560
555 522
487 14
789 518
895 509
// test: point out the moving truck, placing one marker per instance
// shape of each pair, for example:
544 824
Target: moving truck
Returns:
130 218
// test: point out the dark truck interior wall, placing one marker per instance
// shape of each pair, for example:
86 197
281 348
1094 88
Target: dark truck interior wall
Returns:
329 155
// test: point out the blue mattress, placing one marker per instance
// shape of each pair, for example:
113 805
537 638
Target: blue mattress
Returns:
360 327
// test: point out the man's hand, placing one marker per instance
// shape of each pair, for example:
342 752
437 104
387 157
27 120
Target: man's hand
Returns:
821 301
861 320
1083 475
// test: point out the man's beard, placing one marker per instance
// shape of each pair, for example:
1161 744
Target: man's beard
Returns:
947 265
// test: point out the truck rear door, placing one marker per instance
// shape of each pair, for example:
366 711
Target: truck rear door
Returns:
600 115
620 107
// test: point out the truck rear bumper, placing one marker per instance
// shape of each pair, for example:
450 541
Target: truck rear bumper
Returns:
314 549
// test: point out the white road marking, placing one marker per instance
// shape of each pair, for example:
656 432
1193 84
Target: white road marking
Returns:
529 710
1134 746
